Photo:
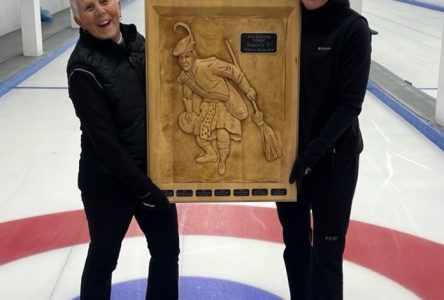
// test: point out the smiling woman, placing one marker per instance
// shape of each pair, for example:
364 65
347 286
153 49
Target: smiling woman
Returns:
106 83
101 18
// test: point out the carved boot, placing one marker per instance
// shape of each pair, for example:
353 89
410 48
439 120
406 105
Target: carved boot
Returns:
209 154
221 168
223 153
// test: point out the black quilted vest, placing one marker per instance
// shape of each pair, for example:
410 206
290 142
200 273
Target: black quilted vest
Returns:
120 70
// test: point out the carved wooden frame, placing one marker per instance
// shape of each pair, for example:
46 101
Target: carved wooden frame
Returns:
247 173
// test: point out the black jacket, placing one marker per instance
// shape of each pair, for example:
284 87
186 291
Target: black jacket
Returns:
335 64
107 87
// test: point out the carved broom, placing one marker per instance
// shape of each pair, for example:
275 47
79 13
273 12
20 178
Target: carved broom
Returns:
270 142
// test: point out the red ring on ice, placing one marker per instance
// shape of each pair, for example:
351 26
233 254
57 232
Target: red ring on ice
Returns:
413 262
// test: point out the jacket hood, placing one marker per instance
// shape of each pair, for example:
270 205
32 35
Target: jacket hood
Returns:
325 16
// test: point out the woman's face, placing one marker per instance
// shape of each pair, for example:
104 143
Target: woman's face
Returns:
313 4
101 18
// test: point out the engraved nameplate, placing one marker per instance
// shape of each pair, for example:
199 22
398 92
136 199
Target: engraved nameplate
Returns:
258 42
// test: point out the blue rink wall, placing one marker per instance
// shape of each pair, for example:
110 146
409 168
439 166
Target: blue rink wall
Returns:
430 4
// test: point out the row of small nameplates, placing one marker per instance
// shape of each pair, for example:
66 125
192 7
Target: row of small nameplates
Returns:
227 192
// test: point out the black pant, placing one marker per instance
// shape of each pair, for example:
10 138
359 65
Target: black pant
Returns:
108 221
314 244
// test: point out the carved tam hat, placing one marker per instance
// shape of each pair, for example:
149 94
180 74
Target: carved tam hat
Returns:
186 44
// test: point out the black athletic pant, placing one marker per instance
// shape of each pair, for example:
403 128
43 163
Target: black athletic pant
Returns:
314 247
108 221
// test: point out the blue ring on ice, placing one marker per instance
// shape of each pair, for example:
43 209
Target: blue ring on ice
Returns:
195 288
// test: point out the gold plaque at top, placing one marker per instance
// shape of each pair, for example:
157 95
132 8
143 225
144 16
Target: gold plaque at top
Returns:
222 98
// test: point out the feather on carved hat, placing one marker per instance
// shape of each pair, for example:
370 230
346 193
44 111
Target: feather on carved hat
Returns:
187 43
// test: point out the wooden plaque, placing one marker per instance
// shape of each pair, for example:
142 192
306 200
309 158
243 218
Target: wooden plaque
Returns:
222 108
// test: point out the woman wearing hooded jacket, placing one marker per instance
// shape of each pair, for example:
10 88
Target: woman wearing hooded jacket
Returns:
335 63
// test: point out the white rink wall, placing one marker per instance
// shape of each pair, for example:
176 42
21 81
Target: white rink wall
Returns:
10 12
